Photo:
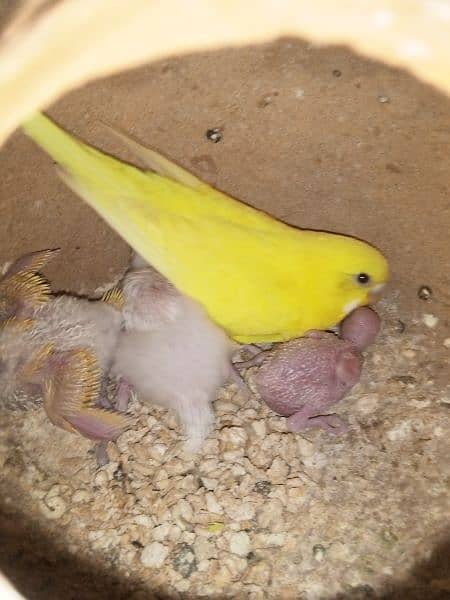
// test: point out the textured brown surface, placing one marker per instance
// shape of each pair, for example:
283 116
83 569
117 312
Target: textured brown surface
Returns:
260 514
75 42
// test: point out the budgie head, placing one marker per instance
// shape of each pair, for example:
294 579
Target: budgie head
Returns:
350 273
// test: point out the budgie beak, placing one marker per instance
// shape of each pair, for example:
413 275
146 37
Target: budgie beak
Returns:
375 293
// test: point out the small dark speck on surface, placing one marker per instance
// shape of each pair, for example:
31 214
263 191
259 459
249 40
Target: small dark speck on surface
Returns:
337 73
405 379
118 474
214 135
425 292
263 487
183 559
400 326
393 168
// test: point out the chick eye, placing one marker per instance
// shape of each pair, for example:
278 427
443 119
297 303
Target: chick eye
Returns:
363 278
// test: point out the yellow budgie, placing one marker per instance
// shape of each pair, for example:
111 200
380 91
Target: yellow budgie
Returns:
260 279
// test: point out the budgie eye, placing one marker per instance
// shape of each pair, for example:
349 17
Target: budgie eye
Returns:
363 278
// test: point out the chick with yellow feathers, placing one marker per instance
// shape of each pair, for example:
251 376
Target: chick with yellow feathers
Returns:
259 278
